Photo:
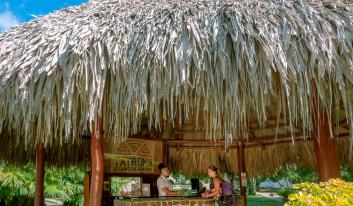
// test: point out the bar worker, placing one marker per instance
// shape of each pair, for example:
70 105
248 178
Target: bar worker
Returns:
164 186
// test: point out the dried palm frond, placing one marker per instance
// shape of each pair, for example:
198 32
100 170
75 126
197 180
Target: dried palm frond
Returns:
195 161
159 59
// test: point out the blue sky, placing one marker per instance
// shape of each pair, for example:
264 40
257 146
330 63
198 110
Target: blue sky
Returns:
13 12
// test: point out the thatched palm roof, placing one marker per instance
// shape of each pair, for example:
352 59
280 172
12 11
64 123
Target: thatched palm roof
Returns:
226 61
258 160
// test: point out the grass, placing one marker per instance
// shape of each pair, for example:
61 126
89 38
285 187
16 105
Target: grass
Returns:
261 201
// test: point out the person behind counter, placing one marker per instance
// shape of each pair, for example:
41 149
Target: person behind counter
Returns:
221 190
164 186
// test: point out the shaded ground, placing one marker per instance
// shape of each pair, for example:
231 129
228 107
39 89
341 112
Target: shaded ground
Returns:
271 196
262 201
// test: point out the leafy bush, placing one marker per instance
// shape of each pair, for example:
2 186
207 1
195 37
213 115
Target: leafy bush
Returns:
347 173
251 186
17 184
333 192
285 192
295 174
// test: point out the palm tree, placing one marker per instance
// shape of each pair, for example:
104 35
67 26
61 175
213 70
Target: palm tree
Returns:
17 184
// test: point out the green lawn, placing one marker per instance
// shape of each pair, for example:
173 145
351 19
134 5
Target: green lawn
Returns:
261 201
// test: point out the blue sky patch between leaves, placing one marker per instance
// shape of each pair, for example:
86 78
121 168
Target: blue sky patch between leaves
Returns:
13 12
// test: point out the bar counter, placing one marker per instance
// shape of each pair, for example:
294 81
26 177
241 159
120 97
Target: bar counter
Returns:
165 201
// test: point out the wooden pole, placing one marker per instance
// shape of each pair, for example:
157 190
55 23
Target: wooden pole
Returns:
166 153
97 158
241 167
40 164
324 146
86 190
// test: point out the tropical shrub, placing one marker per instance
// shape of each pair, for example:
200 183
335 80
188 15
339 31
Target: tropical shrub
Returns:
347 173
251 186
17 184
295 174
335 192
285 191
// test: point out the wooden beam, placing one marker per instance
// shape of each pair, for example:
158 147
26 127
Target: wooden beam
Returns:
344 126
40 172
343 122
324 145
207 142
281 125
263 144
178 132
97 157
241 167
251 130
86 183
279 137
249 123
165 152
253 140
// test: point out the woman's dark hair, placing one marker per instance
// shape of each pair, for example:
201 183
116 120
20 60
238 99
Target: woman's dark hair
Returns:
213 168
162 166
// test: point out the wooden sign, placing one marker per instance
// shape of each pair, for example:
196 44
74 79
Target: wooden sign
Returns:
133 156
243 179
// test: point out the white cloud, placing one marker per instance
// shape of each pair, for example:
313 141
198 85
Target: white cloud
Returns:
34 15
7 20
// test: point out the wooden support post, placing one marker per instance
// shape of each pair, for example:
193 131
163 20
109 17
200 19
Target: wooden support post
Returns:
166 153
40 164
86 190
97 158
325 148
241 167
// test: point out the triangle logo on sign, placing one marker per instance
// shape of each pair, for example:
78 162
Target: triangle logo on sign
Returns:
144 151
134 145
123 148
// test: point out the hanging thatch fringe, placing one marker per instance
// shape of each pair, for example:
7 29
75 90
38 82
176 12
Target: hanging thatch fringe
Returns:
194 161
77 153
158 59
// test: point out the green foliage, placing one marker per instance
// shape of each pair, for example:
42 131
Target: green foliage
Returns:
179 178
298 174
17 184
251 182
118 183
285 192
334 192
347 173
261 201
295 174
